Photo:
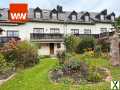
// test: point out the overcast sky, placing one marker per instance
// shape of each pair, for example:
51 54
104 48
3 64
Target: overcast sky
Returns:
78 5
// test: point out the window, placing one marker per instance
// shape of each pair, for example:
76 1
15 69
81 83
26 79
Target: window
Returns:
58 45
73 17
112 18
38 15
12 33
75 31
103 30
54 30
86 18
38 30
87 31
54 16
102 17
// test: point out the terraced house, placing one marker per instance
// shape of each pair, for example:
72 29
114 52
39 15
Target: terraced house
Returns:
48 27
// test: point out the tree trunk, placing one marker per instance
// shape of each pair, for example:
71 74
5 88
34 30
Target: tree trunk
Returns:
115 54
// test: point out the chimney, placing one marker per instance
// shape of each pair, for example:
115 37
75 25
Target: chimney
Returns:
59 8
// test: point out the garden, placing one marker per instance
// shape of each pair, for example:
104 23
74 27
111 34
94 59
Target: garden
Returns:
84 65
85 61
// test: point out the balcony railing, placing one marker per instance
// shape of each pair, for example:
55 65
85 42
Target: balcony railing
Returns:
46 37
6 39
97 36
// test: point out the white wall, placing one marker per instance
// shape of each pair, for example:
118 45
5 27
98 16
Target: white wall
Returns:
26 29
44 50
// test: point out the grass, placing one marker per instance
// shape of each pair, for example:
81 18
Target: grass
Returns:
36 78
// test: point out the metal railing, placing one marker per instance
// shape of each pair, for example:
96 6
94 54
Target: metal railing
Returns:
6 39
46 37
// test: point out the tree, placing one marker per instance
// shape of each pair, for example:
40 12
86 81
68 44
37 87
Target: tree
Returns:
87 42
71 43
115 52
117 22
26 54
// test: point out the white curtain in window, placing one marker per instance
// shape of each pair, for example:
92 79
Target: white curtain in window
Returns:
38 15
73 17
102 17
86 18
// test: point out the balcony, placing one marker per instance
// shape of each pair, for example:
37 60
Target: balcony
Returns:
6 39
42 37
97 36
92 35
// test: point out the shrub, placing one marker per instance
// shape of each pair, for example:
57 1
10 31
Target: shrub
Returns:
4 66
105 72
26 54
8 50
94 77
22 53
85 43
75 66
71 43
63 56
88 54
105 46
98 51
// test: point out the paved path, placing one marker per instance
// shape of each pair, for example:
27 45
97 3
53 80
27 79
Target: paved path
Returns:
4 80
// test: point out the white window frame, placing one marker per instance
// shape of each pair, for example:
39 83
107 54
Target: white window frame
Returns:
74 31
112 18
54 30
38 30
12 33
102 17
87 18
73 17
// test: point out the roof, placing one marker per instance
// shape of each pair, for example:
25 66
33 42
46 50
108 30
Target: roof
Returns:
62 16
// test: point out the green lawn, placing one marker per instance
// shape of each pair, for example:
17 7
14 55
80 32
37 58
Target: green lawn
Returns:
36 78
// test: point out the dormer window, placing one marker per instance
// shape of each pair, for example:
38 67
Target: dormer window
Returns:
37 13
73 17
54 14
86 18
111 16
102 17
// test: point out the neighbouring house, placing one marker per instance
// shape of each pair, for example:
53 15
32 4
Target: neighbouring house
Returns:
48 28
